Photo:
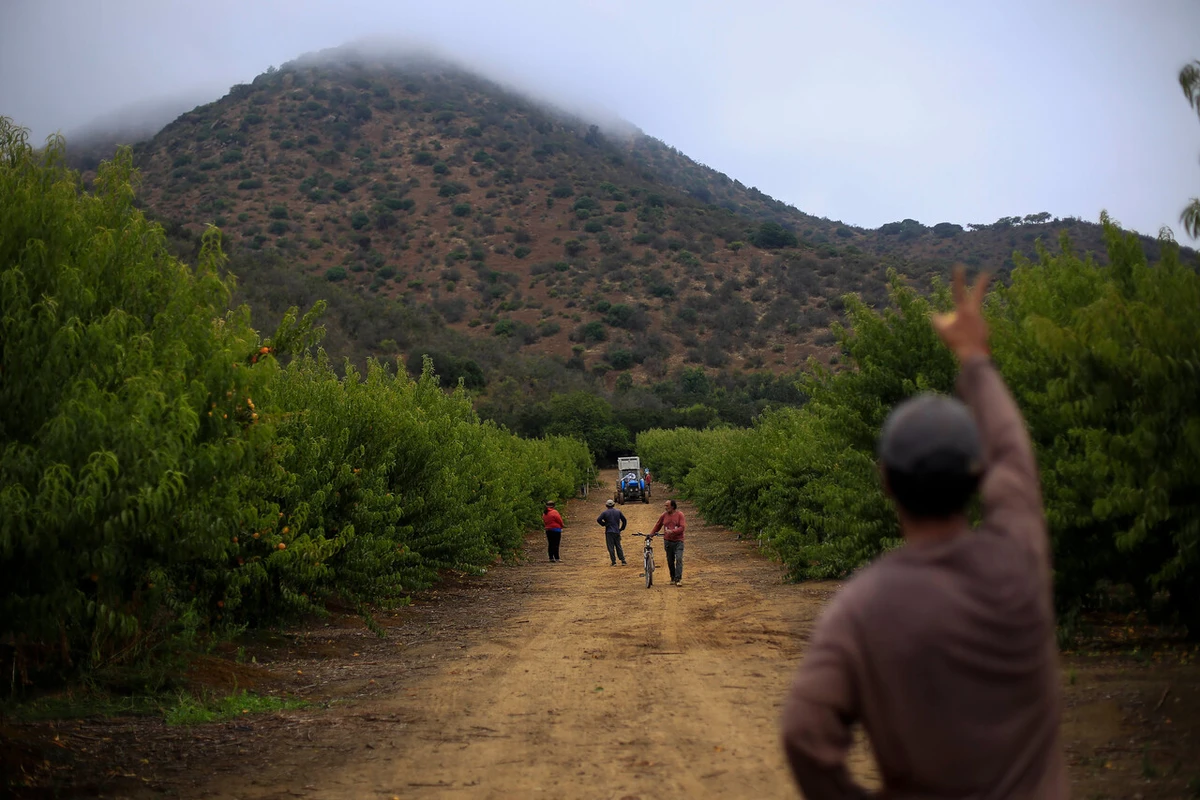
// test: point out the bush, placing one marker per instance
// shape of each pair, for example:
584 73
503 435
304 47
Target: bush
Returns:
359 220
400 203
590 332
335 274
462 210
620 358
250 183
109 444
163 476
772 235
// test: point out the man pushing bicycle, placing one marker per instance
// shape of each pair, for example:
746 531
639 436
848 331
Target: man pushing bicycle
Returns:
672 524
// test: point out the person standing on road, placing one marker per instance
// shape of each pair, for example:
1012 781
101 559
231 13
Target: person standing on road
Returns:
614 522
553 523
944 649
673 525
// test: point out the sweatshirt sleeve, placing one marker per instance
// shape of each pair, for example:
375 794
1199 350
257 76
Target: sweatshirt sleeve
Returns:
624 521
1011 494
658 525
821 709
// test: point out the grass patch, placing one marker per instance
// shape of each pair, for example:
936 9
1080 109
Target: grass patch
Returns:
192 710
180 708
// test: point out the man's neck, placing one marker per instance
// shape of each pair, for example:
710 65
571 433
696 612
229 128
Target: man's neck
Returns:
923 532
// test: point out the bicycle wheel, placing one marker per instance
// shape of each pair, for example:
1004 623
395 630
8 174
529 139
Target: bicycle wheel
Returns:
648 563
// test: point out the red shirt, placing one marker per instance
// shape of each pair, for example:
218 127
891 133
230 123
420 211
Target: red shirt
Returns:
552 520
673 522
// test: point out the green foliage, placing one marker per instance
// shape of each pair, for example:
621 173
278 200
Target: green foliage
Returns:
162 476
449 369
620 358
590 332
772 235
188 709
1189 81
123 417
1103 360
588 418
805 482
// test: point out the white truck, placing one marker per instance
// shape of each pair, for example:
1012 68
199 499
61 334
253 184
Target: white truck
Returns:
631 481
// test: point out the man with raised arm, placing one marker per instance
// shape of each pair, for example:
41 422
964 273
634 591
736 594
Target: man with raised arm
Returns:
943 649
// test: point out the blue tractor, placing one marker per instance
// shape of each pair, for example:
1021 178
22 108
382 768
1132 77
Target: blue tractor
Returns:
631 481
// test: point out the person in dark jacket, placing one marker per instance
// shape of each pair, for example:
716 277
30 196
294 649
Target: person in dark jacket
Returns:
614 522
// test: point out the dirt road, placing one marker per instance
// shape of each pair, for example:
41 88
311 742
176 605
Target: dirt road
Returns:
595 687
572 680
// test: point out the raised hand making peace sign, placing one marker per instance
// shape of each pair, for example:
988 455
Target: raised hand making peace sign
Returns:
964 330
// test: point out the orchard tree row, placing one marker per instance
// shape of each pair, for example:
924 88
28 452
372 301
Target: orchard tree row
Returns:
166 471
1104 361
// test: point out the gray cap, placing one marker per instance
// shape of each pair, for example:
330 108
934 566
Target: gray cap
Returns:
931 433
609 503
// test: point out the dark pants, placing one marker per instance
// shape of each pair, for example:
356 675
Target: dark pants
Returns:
613 540
674 559
553 538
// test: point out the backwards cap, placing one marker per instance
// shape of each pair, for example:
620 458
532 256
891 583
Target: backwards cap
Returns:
931 434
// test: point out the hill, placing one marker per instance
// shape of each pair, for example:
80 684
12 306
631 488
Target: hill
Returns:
419 183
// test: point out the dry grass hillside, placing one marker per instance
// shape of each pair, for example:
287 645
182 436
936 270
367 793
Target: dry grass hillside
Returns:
439 192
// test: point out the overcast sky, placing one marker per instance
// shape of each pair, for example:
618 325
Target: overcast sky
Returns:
868 112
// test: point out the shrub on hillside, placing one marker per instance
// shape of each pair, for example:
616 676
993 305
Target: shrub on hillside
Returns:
772 236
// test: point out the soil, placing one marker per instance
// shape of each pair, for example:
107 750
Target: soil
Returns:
573 680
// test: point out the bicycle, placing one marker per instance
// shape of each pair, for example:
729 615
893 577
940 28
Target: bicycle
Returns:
648 557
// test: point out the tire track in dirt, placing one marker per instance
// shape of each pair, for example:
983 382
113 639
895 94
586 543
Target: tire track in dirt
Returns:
592 687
